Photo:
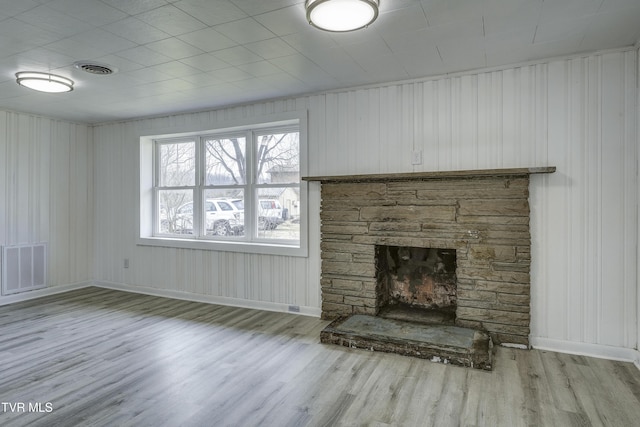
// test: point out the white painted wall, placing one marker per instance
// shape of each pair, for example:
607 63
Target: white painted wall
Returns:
578 114
46 189
262 281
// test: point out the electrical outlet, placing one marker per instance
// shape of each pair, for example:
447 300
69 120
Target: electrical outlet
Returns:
126 263
294 308
416 157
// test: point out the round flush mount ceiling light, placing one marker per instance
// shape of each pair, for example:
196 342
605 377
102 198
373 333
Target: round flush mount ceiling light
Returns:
341 15
44 82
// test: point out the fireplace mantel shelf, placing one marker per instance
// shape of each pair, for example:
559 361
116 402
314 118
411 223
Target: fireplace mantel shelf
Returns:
432 175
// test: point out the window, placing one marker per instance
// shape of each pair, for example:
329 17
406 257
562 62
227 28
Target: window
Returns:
234 189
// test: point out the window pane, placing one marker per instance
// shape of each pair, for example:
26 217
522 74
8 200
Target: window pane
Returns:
278 158
175 211
177 164
279 213
225 161
224 212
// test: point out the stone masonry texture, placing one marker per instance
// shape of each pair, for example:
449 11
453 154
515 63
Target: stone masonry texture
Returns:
485 219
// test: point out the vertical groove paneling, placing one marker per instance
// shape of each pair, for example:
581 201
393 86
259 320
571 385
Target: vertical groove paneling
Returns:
577 114
46 188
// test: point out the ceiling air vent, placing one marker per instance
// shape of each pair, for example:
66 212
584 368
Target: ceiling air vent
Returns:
95 68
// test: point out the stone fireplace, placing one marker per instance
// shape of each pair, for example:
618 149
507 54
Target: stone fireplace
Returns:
453 242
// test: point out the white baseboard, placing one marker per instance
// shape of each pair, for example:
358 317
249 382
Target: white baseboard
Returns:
586 349
211 299
29 295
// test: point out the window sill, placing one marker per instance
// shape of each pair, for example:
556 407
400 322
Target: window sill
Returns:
241 247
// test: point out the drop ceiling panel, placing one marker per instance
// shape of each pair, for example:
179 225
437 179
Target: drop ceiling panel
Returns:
192 54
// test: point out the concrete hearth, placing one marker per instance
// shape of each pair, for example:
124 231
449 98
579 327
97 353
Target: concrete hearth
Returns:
438 343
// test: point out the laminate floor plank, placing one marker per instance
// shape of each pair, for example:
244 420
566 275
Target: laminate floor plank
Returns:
100 357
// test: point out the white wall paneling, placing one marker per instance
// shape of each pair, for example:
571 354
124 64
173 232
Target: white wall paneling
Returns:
578 114
46 188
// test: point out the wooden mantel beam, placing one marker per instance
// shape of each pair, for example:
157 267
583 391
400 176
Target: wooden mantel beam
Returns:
432 175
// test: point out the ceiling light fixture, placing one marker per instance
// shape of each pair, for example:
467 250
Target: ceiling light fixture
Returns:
44 82
341 15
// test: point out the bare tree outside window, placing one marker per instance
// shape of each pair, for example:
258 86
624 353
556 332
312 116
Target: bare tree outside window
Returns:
204 184
176 169
278 158
226 161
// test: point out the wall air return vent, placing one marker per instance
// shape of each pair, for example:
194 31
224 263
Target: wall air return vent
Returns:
24 268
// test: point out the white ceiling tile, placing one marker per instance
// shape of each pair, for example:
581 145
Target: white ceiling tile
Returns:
176 69
368 48
205 62
425 63
560 30
101 41
285 21
382 68
473 27
49 19
386 6
47 58
613 5
443 12
208 40
163 86
414 40
203 79
367 36
136 30
556 47
148 75
253 7
561 11
231 74
502 16
171 20
400 20
510 40
272 48
76 49
134 7
306 70
463 54
211 12
310 39
245 31
93 12
18 36
254 87
237 55
144 56
10 89
598 35
139 38
11 8
285 84
261 68
174 48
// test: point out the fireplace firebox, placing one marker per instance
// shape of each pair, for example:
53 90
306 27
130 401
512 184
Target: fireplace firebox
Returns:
419 278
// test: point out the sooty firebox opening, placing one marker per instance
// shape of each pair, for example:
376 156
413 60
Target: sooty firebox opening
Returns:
414 279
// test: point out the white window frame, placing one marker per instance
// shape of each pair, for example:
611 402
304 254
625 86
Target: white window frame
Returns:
250 242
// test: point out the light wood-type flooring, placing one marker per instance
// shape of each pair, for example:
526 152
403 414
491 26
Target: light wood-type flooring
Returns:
97 357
